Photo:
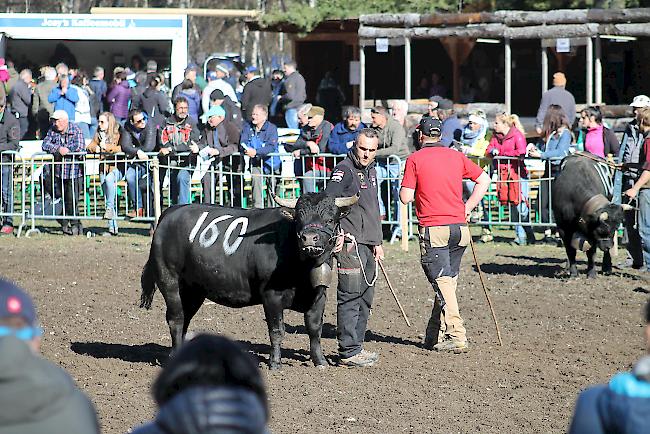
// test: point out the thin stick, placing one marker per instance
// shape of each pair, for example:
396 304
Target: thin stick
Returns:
480 274
392 291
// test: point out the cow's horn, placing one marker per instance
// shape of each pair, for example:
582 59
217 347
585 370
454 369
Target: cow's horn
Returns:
346 201
627 207
287 203
603 216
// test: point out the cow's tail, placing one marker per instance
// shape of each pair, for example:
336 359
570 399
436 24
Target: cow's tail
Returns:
148 283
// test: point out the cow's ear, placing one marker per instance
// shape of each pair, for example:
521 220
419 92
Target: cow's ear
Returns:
288 213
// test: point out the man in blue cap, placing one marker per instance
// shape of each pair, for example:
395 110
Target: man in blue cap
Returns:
257 90
36 396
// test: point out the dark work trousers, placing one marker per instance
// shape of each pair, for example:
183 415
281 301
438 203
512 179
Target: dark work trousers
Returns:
633 238
545 187
441 249
353 297
69 190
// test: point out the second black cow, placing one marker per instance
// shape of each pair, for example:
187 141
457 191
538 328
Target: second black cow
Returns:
585 217
278 257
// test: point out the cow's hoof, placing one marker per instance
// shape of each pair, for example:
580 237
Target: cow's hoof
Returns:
591 274
275 366
322 367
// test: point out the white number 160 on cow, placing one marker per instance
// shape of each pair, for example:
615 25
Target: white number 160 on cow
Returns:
211 232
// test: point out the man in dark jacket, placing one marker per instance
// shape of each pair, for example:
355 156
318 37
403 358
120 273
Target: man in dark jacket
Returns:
358 249
256 91
620 406
36 396
139 137
20 98
218 141
42 109
294 93
557 95
179 135
233 114
314 140
9 141
629 152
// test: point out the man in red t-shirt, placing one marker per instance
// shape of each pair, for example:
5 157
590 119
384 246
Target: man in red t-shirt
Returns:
434 178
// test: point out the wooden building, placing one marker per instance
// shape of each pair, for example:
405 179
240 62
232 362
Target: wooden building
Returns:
507 56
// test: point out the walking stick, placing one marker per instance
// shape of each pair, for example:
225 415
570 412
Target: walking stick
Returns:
392 291
480 274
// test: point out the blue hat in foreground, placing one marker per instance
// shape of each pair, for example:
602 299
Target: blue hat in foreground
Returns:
251 69
215 110
16 302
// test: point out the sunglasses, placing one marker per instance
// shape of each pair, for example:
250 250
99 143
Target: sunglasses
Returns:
24 334
137 121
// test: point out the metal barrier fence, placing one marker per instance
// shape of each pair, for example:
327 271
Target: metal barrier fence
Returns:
116 188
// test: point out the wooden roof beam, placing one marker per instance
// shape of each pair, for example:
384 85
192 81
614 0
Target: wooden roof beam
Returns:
217 13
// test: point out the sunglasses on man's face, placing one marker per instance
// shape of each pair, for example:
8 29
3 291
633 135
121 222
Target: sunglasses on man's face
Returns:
137 121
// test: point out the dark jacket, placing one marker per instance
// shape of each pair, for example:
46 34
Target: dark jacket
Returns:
132 140
294 91
20 97
179 135
118 99
100 88
320 135
36 396
227 138
42 109
341 136
619 407
202 410
9 132
233 114
350 178
612 146
264 142
256 91
157 106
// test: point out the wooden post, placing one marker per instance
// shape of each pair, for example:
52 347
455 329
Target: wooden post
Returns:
404 225
155 167
589 79
598 79
362 81
508 71
407 69
544 69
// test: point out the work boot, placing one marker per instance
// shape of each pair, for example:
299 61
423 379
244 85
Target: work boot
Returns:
486 236
359 360
370 355
452 346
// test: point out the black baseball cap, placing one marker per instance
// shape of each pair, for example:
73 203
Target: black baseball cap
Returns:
430 126
217 94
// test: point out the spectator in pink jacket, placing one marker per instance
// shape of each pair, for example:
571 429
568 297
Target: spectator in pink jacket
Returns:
119 96
512 188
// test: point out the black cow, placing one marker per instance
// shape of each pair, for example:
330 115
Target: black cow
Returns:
278 257
585 217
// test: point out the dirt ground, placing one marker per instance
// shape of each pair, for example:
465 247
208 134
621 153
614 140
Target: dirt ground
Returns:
559 336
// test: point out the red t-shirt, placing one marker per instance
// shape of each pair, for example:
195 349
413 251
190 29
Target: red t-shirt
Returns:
436 174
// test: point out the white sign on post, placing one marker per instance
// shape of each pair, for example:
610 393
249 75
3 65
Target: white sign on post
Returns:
563 45
381 44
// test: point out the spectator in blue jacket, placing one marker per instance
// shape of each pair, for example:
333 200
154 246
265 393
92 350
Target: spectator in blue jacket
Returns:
557 133
64 97
259 138
452 128
620 406
345 132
